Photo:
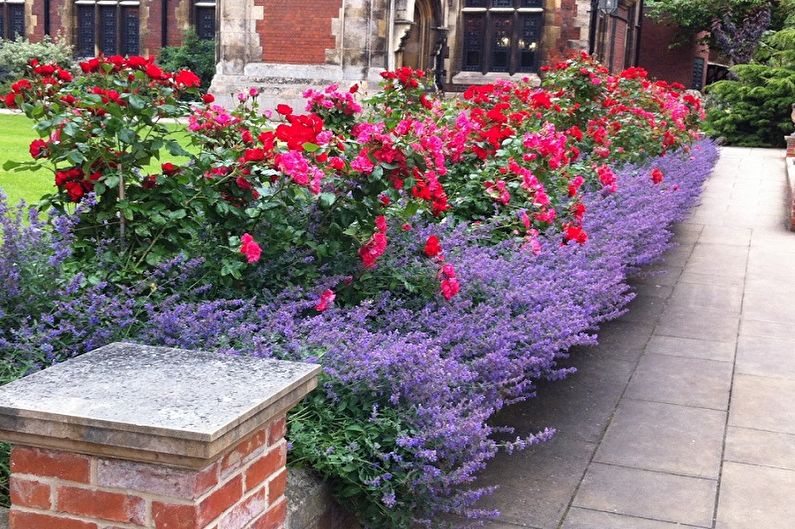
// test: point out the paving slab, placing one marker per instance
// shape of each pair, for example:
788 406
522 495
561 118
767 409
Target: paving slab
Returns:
763 403
725 235
644 309
753 497
691 296
691 348
646 494
685 381
767 357
769 329
664 437
536 487
758 447
708 324
587 519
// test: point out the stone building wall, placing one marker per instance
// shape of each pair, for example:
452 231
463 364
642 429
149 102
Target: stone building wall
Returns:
62 22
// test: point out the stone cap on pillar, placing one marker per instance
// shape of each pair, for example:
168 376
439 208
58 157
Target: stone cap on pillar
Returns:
154 404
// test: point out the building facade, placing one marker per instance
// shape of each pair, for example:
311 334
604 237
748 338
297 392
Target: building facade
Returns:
283 46
687 61
111 27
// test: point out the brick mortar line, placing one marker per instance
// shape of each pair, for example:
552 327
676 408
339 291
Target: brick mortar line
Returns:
55 483
147 497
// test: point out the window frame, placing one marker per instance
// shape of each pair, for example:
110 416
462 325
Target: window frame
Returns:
121 8
5 27
487 13
197 5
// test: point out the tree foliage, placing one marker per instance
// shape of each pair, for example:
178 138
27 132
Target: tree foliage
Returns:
754 108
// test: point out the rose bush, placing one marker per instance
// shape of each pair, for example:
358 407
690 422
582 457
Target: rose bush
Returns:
438 256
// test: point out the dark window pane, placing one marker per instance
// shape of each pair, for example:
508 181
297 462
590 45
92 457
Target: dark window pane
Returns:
85 30
473 42
531 3
107 30
698 74
502 41
16 20
501 3
205 22
129 33
475 3
529 38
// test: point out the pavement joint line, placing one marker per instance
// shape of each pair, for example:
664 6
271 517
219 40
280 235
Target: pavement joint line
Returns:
642 517
679 404
760 465
731 389
789 434
612 414
688 357
653 470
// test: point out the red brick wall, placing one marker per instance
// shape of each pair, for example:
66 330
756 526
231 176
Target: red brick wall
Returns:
297 31
51 489
662 61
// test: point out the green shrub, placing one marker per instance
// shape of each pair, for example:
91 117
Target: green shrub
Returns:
753 110
195 54
16 54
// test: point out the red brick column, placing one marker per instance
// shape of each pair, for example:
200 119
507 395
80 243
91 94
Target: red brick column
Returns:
243 489
790 145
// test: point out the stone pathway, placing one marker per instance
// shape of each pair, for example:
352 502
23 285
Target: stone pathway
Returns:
684 416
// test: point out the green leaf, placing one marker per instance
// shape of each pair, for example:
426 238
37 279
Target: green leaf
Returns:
127 136
12 164
311 147
137 102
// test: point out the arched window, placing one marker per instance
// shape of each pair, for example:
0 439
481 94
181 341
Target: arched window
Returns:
110 27
204 18
502 35
12 19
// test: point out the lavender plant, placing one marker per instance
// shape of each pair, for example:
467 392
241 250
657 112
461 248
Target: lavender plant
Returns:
400 426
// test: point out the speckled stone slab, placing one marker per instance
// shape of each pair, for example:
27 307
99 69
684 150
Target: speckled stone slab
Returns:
150 403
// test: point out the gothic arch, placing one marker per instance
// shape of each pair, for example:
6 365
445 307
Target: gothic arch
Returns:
416 36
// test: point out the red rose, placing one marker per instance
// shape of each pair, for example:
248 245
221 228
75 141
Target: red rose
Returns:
432 246
150 181
254 155
38 148
74 190
169 169
208 98
90 66
250 248
657 175
137 62
284 110
154 72
187 78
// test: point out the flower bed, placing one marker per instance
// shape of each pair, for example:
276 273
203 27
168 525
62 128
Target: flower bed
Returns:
437 257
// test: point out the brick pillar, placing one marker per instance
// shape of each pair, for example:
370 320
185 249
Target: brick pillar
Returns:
122 475
242 490
790 145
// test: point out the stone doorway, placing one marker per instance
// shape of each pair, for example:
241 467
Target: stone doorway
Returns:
419 49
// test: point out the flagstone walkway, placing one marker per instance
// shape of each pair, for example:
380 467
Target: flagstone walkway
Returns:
684 416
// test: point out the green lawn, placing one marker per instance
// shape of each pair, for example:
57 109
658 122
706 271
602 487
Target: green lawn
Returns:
16 133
